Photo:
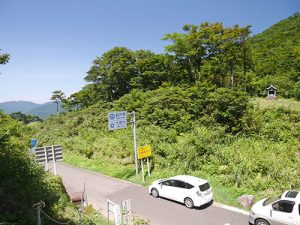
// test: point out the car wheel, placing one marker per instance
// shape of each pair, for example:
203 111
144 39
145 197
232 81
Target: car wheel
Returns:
154 193
261 222
189 203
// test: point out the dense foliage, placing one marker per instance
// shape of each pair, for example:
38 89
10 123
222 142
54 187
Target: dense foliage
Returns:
25 118
192 109
276 57
208 55
4 58
214 133
22 181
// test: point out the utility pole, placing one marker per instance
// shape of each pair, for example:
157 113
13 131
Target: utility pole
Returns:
56 107
134 143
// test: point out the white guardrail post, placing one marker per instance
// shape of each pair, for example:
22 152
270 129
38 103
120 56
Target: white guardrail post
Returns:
115 210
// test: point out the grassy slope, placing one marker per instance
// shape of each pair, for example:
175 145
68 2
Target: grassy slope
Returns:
234 165
276 57
289 104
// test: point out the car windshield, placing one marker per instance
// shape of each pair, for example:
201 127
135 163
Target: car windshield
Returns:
204 187
270 200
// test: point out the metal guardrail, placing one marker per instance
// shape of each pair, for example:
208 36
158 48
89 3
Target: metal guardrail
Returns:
48 154
45 154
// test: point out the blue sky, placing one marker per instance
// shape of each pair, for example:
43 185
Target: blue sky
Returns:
52 43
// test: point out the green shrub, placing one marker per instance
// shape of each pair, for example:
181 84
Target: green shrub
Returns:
22 181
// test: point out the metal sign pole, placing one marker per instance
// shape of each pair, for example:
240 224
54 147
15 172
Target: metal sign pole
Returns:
134 143
53 157
148 166
142 165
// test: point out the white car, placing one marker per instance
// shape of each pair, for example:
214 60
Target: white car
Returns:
284 209
192 191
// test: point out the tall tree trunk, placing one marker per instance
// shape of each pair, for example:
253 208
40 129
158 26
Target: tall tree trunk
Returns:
231 75
196 73
244 61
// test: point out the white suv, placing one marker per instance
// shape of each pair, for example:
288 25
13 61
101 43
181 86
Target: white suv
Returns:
192 191
284 209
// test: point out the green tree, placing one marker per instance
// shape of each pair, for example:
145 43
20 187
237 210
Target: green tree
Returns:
111 73
152 70
297 90
4 58
189 50
25 118
82 99
57 96
209 52
227 107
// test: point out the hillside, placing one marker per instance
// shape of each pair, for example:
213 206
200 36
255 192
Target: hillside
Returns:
30 108
215 134
45 110
276 55
17 106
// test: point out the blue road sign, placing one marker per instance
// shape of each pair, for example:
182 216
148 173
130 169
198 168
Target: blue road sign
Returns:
33 143
117 120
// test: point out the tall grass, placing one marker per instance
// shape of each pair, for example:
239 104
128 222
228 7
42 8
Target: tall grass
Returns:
289 104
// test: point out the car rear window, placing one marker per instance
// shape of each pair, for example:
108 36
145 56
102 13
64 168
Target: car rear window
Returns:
204 187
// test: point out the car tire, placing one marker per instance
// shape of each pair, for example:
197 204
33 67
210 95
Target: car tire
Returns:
261 222
154 192
189 203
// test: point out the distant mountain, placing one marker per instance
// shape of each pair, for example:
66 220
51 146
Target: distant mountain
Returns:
17 106
45 110
30 108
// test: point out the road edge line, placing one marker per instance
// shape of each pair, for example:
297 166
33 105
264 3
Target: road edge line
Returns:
231 208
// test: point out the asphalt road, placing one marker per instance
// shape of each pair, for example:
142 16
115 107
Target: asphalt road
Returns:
158 211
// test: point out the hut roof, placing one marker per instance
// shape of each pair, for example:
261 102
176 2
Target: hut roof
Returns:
271 87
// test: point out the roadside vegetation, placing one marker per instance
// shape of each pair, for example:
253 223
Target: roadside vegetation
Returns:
24 183
240 148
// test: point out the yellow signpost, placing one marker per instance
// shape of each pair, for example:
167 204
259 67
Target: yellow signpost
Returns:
144 152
